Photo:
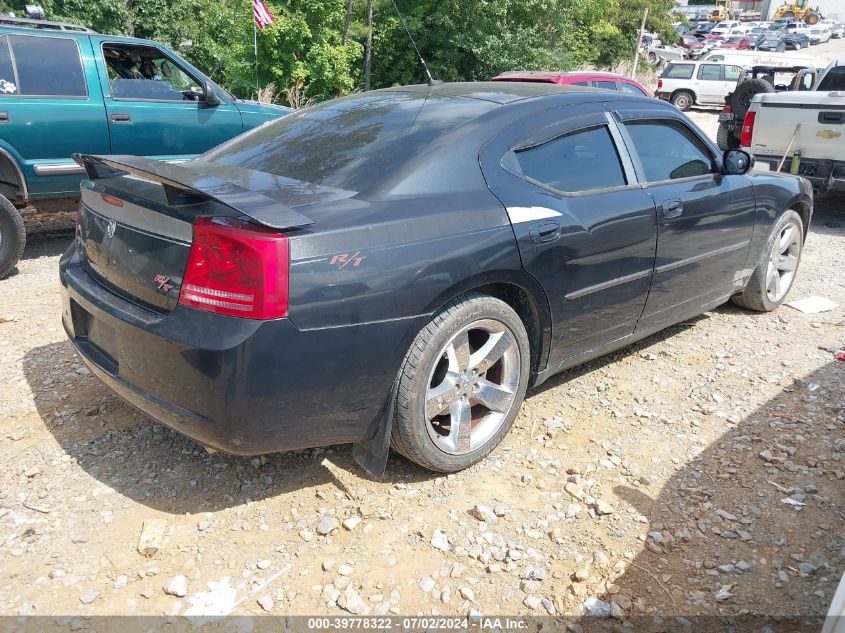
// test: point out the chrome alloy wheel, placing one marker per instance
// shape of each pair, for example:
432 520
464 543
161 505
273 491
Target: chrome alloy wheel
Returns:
472 387
783 262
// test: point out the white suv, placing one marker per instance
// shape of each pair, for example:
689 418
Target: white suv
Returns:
685 84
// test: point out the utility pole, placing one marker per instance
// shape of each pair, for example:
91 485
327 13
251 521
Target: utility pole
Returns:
368 54
639 44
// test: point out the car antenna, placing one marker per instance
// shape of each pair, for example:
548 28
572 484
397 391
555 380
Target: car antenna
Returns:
431 80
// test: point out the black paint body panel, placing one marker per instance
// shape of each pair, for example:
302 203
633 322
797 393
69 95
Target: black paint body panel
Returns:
374 265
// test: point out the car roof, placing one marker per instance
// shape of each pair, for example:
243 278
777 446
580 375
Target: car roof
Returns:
24 30
551 75
501 92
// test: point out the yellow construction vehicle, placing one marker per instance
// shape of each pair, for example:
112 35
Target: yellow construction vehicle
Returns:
798 11
723 11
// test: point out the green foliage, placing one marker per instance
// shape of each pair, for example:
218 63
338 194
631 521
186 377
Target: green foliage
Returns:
303 51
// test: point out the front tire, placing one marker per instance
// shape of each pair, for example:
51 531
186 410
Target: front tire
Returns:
461 384
775 272
12 237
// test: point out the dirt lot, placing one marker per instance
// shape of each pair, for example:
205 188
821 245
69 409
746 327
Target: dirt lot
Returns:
700 472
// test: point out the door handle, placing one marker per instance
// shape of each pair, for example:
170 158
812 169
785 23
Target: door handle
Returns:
121 117
545 232
832 118
4 117
672 208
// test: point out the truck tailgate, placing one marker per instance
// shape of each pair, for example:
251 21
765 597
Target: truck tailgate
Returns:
821 116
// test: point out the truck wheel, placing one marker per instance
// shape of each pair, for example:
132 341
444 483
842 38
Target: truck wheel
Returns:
725 139
811 18
775 272
12 237
744 92
461 384
683 100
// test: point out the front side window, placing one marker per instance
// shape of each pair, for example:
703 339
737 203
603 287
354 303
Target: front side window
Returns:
710 72
48 66
678 71
8 81
607 85
669 151
146 73
580 161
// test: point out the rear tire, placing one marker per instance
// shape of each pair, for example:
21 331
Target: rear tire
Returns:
12 237
780 258
683 100
725 139
474 351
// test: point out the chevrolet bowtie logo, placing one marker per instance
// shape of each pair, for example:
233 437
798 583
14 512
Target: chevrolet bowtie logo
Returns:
828 134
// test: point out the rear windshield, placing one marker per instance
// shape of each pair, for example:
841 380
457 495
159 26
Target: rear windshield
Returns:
349 143
833 80
678 71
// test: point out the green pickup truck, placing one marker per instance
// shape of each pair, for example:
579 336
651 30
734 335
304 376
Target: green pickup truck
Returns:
65 89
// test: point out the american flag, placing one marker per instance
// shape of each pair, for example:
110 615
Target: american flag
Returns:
262 14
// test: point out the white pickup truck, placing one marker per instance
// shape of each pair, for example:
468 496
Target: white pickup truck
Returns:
805 129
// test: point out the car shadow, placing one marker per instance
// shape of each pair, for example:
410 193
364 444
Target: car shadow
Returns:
613 357
747 536
156 466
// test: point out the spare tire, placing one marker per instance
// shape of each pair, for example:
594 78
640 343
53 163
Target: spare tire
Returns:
742 95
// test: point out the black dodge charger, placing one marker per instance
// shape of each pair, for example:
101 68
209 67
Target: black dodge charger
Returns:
396 268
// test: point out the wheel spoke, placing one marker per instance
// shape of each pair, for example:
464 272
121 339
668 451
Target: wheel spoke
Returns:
440 397
776 280
787 263
771 274
494 397
461 419
458 353
491 351
787 238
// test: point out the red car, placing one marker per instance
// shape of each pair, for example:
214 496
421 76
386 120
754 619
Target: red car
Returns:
736 41
594 79
688 40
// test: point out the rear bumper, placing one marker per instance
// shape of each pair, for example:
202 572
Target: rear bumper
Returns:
237 385
825 175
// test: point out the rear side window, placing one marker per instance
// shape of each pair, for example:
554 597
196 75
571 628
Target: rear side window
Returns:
8 81
607 85
629 88
833 80
48 66
354 143
580 161
710 72
678 71
668 150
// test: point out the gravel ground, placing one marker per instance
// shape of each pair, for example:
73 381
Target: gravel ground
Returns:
700 472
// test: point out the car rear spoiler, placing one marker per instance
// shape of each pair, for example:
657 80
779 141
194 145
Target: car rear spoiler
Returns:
179 180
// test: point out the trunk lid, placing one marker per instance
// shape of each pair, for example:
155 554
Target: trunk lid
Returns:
136 217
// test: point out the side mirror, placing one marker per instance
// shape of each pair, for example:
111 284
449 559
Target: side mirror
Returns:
737 162
209 94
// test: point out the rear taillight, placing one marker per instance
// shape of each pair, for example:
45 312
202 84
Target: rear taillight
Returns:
727 108
238 269
747 129
659 84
